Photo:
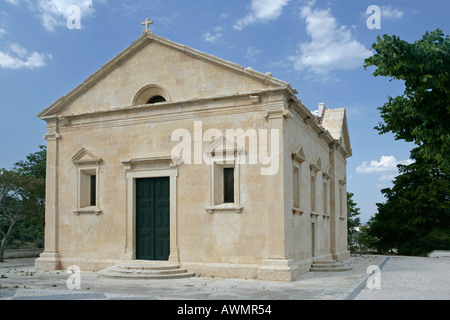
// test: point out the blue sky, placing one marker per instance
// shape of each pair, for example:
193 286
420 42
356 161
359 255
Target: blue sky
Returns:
317 46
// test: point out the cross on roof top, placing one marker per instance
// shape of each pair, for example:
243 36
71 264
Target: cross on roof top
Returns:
146 23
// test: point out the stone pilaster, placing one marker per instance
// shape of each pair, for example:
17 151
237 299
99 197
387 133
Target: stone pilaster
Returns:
277 266
50 259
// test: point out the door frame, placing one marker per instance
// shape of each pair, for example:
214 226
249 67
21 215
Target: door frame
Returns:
150 168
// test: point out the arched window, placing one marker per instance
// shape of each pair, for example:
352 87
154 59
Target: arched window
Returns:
151 94
156 99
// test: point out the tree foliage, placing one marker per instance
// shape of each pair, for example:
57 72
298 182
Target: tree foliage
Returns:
11 208
33 172
22 200
421 115
353 220
415 219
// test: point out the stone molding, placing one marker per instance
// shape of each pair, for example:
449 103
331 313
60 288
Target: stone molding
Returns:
148 92
86 161
316 166
52 136
255 99
78 157
165 161
299 156
223 153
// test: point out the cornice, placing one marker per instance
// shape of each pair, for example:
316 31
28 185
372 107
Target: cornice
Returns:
250 95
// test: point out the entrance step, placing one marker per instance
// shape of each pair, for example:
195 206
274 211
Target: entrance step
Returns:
145 271
328 265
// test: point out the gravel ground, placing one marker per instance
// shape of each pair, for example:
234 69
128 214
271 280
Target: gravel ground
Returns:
411 278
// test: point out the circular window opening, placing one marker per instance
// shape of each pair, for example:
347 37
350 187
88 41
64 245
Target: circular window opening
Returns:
156 99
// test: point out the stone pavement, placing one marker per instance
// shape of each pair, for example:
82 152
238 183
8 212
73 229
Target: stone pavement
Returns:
412 278
401 278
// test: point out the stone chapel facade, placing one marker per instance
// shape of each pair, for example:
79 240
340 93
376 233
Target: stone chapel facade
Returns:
122 184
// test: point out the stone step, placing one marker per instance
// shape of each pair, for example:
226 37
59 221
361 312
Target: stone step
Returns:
144 271
134 276
328 265
118 269
142 266
336 269
324 261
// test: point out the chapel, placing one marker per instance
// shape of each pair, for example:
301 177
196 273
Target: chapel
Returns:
167 155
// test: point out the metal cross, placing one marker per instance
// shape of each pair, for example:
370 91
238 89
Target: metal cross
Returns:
146 23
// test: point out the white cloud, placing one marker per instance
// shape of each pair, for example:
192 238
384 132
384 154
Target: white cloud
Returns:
213 37
17 57
54 12
392 14
385 164
251 52
387 177
387 12
333 46
262 11
2 32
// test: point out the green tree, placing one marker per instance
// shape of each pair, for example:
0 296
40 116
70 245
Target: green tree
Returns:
415 219
11 208
364 241
22 200
421 115
353 220
33 172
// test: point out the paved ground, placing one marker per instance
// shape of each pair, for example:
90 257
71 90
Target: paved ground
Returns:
400 278
410 278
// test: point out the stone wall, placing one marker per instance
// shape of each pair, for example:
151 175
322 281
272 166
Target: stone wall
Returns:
22 253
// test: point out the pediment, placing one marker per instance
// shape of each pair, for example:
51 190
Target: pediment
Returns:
299 156
182 72
222 146
85 156
316 165
335 122
345 138
328 172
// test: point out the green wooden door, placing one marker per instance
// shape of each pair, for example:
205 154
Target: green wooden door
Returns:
153 219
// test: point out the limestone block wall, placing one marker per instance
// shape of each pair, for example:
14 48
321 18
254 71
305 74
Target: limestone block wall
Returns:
220 237
324 216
